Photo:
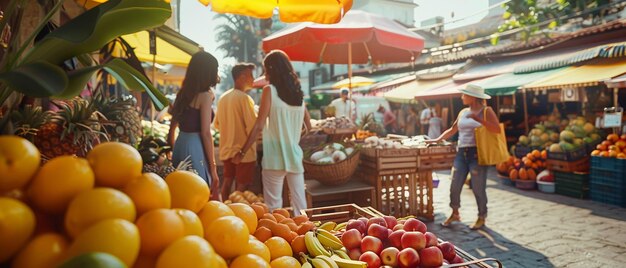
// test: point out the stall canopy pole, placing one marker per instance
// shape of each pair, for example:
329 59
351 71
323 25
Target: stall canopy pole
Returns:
615 96
525 111
450 114
350 80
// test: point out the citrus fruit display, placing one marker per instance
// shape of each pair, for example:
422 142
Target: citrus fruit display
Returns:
148 191
17 223
187 190
117 237
19 161
45 250
249 260
188 251
228 235
114 164
158 228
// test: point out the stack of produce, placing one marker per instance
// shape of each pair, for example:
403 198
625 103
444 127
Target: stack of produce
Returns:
577 135
155 129
526 168
382 143
247 197
368 123
335 123
331 153
613 146
364 134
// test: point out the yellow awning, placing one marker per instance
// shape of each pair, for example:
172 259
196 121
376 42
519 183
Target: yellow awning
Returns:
406 93
166 52
583 76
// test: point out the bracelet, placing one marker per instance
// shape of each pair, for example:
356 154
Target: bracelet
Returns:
241 153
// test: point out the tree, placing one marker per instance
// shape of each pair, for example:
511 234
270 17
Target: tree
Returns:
240 36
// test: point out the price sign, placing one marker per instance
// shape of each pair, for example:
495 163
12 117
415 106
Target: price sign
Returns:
612 117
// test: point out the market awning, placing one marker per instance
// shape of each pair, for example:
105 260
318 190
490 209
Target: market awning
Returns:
406 93
583 76
566 58
167 53
507 84
617 82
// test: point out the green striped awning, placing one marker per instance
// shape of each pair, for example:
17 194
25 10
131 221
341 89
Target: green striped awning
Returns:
613 51
507 84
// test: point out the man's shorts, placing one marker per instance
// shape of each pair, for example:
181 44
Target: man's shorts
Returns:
242 172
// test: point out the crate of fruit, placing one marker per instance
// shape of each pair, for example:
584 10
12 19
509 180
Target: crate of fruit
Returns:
581 165
573 155
339 213
383 154
572 184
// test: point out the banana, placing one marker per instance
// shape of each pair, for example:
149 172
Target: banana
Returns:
341 253
341 226
314 246
328 226
328 261
319 263
343 263
328 239
317 223
306 264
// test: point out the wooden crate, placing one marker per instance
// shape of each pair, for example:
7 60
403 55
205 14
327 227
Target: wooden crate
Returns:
435 161
388 159
581 165
339 213
401 192
354 191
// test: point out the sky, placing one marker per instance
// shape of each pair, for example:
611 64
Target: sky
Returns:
197 20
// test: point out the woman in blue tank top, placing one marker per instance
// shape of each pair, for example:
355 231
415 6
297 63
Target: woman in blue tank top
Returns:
466 160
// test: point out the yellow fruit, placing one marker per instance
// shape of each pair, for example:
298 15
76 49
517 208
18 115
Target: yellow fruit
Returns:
95 205
249 260
58 182
213 210
247 214
159 228
278 247
262 234
17 223
43 251
220 262
148 192
285 262
188 190
115 164
228 235
94 259
191 222
188 251
117 237
19 161
258 248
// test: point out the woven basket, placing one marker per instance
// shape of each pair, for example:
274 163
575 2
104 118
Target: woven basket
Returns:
332 174
339 135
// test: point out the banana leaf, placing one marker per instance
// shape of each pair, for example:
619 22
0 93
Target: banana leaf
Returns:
36 79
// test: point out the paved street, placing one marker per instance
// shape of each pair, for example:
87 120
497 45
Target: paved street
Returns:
534 229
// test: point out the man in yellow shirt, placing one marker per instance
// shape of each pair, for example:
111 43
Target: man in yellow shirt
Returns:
235 120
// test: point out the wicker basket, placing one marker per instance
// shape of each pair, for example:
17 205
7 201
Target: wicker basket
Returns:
338 135
332 174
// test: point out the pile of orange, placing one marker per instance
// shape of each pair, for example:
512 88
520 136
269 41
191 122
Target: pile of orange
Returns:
526 168
614 146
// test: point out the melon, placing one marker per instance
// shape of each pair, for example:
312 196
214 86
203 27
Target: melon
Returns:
566 146
540 127
595 137
554 137
587 140
535 140
555 148
544 137
523 140
588 128
578 142
567 135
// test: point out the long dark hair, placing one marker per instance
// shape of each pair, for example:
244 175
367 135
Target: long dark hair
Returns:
201 76
283 77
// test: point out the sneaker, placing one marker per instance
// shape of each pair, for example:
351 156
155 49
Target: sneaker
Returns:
451 219
480 222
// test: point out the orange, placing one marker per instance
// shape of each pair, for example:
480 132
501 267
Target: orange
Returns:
247 214
621 155
298 245
17 224
287 221
269 216
283 212
265 207
292 226
269 224
257 247
220 262
45 250
77 177
148 191
158 228
263 234
300 219
249 260
279 217
191 222
285 262
115 164
188 251
213 210
604 154
258 209
117 237
282 230
188 190
229 236
305 227
278 247
92 206
612 137
19 162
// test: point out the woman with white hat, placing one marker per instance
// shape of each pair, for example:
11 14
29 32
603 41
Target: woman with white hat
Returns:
477 114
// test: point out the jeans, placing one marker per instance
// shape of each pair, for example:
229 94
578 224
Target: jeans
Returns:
273 189
466 161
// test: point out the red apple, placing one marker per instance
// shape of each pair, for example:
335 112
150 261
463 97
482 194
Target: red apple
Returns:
373 244
358 225
447 249
351 239
364 220
372 260
408 258
457 259
389 256
390 220
378 220
354 253
378 231
395 238
398 226
414 240
431 239
414 225
431 257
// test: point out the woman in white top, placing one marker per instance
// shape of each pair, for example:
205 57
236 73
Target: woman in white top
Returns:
466 160
281 116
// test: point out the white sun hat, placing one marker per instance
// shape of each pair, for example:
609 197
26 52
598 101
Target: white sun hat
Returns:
475 91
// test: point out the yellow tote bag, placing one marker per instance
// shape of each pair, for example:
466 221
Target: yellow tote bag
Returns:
491 146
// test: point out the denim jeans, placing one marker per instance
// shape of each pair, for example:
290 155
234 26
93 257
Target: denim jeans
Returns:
466 161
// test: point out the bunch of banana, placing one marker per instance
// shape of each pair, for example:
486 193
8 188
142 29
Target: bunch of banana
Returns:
323 262
314 246
347 262
328 240
328 226
341 226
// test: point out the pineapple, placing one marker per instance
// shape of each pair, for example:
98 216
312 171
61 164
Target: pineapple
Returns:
125 120
165 168
73 130
28 120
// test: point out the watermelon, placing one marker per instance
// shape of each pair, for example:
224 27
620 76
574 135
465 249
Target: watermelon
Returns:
567 136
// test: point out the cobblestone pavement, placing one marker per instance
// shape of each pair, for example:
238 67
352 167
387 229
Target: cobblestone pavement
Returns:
534 229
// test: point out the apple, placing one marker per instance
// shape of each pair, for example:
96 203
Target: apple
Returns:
378 220
431 257
378 231
431 239
354 253
358 225
389 256
414 240
414 225
351 239
395 238
398 226
364 220
373 244
390 220
372 260
408 258
447 249
457 259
